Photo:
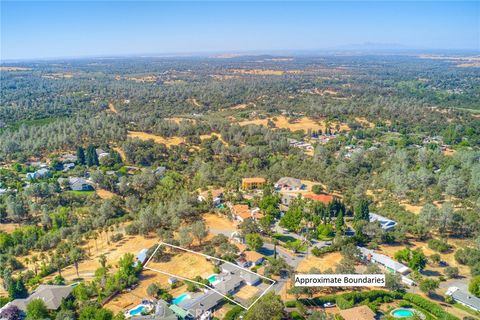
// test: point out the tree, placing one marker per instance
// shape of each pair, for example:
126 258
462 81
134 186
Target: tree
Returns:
199 230
11 312
91 158
80 155
474 286
270 306
254 241
393 281
362 211
184 237
428 286
451 272
152 290
292 218
37 310
17 289
75 256
65 314
317 189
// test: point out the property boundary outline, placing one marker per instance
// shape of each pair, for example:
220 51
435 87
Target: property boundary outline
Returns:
202 284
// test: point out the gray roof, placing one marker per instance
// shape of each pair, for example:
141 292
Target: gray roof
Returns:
289 181
52 295
384 260
229 283
464 298
162 312
229 267
249 276
205 302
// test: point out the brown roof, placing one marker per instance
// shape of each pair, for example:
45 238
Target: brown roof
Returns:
215 193
324 198
252 255
358 313
254 179
242 211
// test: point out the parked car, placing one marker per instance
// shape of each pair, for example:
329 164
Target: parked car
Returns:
329 305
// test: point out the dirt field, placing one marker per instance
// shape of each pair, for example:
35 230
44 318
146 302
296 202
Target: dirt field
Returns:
304 123
111 108
323 263
121 153
248 292
127 300
104 194
185 264
8 227
194 102
208 136
218 222
172 141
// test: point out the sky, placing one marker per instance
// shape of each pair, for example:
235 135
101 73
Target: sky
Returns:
41 29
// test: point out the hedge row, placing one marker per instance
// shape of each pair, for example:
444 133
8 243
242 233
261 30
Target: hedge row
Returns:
355 297
433 308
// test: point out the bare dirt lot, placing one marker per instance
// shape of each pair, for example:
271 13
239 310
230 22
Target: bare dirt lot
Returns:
170 141
323 263
104 194
304 123
8 227
218 222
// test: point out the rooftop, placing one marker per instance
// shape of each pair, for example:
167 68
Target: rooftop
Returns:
358 313
324 198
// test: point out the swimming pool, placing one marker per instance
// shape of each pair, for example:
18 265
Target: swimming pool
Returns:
180 298
402 313
137 310
212 279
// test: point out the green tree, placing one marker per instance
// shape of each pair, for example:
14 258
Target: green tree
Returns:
199 230
80 155
474 286
254 241
37 310
362 211
292 219
91 158
317 189
270 307
428 286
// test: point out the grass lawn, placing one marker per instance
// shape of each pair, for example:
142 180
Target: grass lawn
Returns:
81 193
467 309
283 238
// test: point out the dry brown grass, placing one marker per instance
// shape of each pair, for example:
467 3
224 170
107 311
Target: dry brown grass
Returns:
170 141
248 292
104 194
304 124
14 69
111 108
149 78
217 222
185 264
8 227
194 102
177 120
323 263
259 72
213 134
121 153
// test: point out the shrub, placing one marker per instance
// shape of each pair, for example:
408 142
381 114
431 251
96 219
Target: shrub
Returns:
343 303
438 245
433 308
234 313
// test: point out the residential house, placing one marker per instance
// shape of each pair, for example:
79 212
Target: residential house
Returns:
385 223
289 184
68 166
254 257
229 284
464 298
323 198
201 307
388 263
162 312
242 212
79 184
142 256
253 183
51 295
101 153
250 278
39 174
358 313
217 196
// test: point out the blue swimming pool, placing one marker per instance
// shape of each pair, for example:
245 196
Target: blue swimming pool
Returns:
137 310
212 278
402 313
180 298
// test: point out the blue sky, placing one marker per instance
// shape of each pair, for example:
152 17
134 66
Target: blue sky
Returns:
100 28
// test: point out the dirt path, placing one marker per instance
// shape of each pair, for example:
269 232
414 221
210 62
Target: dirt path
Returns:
111 108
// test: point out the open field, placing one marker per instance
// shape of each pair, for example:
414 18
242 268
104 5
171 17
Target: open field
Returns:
172 141
104 194
304 123
218 222
8 227
326 261
184 264
248 292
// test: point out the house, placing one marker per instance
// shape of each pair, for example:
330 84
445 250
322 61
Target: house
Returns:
386 262
79 184
385 223
162 312
39 174
289 183
254 257
68 166
229 284
101 153
243 262
179 312
358 313
286 199
51 295
142 256
323 198
250 278
253 183
201 307
464 298
217 196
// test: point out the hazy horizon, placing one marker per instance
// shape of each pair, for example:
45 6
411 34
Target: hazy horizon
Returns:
49 30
